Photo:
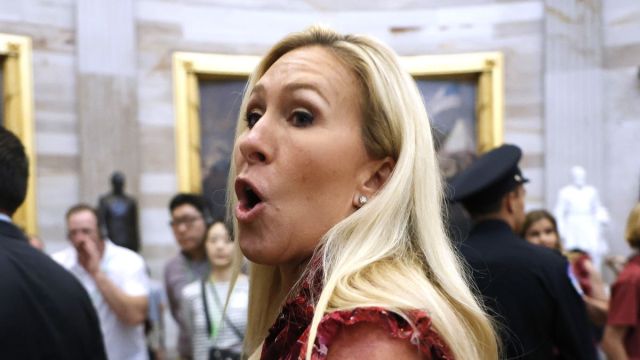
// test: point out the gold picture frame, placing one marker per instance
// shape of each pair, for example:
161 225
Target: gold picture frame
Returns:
17 98
188 68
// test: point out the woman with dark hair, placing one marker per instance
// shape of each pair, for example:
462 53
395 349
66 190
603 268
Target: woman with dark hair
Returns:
216 333
540 228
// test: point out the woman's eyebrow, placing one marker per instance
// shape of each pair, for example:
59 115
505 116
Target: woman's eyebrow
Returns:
259 89
294 86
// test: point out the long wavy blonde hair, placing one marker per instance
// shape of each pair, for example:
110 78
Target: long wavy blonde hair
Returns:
393 252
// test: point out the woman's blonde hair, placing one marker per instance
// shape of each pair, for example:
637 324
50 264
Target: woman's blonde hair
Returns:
393 252
632 232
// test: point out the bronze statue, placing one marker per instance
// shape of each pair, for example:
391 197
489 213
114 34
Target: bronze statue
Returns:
119 215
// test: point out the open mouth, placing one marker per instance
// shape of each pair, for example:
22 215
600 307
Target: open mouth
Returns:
251 198
248 196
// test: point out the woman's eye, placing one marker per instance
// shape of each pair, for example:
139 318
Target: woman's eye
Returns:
252 118
302 118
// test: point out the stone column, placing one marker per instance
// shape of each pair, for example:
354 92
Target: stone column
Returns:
573 93
107 97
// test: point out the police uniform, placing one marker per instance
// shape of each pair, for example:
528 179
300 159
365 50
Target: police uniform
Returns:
526 287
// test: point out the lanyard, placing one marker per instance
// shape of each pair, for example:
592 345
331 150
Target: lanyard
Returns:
212 328
212 325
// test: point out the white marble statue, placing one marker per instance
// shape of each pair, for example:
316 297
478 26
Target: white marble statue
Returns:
581 218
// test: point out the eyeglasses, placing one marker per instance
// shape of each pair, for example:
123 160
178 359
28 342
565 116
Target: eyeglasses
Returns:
187 221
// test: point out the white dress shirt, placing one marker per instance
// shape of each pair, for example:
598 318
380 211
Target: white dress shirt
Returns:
127 271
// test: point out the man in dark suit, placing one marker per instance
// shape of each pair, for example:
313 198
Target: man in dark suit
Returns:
527 287
44 311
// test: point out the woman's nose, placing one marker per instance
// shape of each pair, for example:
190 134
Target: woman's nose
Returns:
257 144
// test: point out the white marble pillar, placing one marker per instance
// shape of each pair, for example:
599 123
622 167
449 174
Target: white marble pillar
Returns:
573 93
107 96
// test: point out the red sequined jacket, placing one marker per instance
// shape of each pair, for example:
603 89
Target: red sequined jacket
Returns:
288 337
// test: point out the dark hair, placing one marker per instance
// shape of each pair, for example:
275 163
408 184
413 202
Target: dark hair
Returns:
194 200
223 222
14 171
85 207
479 208
491 203
535 216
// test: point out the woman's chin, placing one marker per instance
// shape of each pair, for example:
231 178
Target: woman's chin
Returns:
261 259
262 256
255 252
221 264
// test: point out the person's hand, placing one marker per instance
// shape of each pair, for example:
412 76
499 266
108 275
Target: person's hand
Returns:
597 310
160 354
89 256
616 263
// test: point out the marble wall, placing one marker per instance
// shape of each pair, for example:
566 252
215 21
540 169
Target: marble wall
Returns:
51 26
621 102
163 26
410 27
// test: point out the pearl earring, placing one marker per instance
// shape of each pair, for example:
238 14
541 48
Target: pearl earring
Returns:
362 199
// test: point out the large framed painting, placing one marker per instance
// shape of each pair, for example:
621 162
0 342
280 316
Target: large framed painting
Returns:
16 109
208 90
463 94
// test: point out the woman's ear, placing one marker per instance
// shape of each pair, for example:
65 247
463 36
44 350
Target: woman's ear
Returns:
377 175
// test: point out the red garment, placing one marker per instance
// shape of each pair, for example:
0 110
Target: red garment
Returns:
582 274
287 339
624 306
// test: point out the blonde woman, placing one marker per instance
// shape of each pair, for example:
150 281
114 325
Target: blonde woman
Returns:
337 203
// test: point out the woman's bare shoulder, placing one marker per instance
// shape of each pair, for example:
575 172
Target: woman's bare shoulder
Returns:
368 341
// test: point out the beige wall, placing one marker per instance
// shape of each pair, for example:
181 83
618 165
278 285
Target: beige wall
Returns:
50 25
621 94
162 27
517 28
514 28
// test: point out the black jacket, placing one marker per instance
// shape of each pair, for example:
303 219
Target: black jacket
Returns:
45 313
529 291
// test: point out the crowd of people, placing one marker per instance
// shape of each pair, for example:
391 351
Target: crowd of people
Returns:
112 310
513 276
338 206
612 312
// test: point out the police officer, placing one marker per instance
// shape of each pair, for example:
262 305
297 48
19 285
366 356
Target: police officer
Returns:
539 313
